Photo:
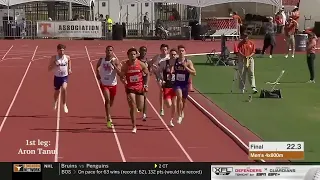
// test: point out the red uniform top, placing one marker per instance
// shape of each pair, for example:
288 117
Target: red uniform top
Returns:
134 76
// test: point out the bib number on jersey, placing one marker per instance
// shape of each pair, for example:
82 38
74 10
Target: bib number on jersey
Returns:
181 77
171 77
134 79
106 78
62 73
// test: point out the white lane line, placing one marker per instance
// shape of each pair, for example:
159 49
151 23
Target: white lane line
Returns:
18 90
113 128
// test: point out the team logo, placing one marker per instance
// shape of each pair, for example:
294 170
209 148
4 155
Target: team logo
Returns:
27 168
18 168
222 171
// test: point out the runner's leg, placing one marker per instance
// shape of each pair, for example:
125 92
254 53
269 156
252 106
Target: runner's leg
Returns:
139 101
144 107
113 92
106 94
185 93
161 99
173 108
64 94
131 98
57 86
178 91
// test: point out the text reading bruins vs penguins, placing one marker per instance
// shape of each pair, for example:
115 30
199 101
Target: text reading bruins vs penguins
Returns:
37 146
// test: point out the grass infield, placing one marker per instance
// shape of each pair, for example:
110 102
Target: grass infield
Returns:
296 117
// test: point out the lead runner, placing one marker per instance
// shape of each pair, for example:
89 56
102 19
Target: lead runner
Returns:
132 70
106 70
182 69
61 65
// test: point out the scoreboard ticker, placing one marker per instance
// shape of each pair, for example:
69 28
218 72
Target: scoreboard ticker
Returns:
276 150
167 171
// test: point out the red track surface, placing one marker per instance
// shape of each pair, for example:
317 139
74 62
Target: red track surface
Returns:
82 135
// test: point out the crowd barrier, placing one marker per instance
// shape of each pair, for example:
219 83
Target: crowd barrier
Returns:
84 29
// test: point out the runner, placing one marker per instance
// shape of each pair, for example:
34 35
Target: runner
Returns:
167 80
61 65
182 69
133 71
143 59
164 55
106 71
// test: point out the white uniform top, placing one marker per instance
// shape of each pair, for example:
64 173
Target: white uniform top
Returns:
107 73
159 58
61 69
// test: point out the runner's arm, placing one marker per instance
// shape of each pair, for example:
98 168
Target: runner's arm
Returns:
52 63
123 72
146 71
159 73
190 68
152 64
97 69
69 65
117 66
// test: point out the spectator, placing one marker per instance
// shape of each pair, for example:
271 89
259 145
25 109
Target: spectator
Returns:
23 27
237 18
295 15
146 24
109 23
279 22
101 18
269 37
284 18
82 18
176 14
289 31
311 54
246 50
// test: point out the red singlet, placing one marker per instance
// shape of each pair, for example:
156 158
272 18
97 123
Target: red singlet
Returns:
134 76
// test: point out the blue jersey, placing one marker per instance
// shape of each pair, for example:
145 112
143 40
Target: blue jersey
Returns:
181 74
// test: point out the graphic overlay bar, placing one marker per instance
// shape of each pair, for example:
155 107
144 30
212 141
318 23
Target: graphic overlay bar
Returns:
276 150
265 172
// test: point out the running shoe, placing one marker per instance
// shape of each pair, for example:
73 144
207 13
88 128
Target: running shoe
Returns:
161 112
144 117
180 120
109 124
134 130
55 106
65 108
171 123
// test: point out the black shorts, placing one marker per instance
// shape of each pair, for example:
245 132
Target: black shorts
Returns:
136 92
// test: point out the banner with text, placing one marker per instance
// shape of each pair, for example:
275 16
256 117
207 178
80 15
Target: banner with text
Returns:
72 29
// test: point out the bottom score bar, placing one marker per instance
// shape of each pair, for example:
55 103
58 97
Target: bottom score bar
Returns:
276 155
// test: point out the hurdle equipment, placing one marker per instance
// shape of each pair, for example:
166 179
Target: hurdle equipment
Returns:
273 93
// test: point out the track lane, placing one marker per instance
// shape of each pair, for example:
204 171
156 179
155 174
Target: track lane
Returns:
152 143
83 132
204 141
32 118
11 72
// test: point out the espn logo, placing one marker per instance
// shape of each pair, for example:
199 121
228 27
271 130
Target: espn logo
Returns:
26 167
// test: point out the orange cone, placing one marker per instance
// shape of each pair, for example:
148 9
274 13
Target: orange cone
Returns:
190 85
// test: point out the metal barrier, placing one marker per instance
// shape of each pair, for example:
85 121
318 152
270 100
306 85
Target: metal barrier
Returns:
16 29
141 30
30 30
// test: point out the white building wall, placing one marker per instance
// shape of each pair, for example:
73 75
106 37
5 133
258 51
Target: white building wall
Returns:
130 13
